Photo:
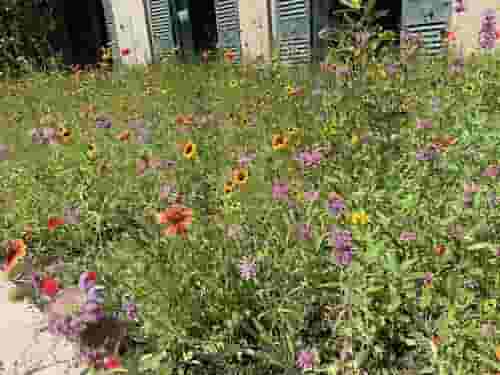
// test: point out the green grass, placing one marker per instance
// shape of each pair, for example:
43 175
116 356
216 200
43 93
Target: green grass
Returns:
189 292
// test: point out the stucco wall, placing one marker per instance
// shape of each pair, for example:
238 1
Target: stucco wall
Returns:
255 25
466 26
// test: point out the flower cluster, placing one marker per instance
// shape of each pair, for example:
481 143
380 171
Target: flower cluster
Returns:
487 32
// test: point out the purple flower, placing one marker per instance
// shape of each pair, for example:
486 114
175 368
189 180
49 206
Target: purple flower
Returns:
304 232
130 310
336 204
280 190
391 69
248 268
309 159
459 7
36 280
487 32
424 123
311 195
343 245
407 236
102 122
245 159
428 154
95 294
428 278
87 281
305 359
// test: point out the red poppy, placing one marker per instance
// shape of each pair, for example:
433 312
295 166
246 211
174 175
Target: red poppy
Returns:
49 286
125 51
111 363
54 222
15 249
451 36
178 218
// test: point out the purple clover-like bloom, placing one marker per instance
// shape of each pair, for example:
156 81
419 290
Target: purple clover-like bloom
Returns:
130 310
487 32
102 122
248 268
85 283
280 191
305 359
336 205
343 245
428 154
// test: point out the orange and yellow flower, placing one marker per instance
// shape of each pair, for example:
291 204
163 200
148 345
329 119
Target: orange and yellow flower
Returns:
16 249
189 150
228 187
240 176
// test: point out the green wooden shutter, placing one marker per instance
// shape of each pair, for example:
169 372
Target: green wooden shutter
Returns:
428 17
294 31
111 29
161 26
227 15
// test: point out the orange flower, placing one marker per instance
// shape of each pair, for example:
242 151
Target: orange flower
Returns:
442 143
436 340
439 250
177 217
228 187
189 150
229 56
240 176
124 136
54 222
327 68
497 352
15 249
279 142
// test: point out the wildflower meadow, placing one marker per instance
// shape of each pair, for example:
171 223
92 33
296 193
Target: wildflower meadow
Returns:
236 219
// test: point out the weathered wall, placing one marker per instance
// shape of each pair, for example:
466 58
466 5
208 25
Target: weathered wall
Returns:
255 25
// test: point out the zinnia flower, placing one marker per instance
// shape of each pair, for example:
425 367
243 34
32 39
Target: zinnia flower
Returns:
54 222
49 286
177 217
16 249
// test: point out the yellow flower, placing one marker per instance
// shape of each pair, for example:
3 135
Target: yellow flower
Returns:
240 176
64 135
355 139
359 218
189 150
228 187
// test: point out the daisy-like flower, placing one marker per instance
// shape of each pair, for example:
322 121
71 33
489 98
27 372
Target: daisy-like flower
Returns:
240 176
279 142
177 217
189 150
16 250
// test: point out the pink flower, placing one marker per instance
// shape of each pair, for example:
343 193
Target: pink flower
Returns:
305 359
311 195
424 123
408 236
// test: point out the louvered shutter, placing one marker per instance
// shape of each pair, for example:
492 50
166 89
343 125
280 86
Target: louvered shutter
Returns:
111 29
294 31
428 17
161 26
227 14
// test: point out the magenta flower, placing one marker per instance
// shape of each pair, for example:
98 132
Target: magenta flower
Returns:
336 204
490 171
305 359
280 190
311 195
304 232
407 236
424 123
459 7
310 159
487 32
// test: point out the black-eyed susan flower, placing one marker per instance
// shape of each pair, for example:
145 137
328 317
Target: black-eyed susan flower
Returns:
279 142
189 150
240 176
64 135
228 187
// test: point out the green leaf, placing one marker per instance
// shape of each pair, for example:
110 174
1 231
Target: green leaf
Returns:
480 245
392 263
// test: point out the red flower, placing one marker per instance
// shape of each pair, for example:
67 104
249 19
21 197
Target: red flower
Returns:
54 222
125 51
178 218
497 33
111 363
91 276
451 36
16 249
49 286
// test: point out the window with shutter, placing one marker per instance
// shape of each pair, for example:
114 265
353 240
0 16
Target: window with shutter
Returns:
294 31
227 15
428 17
161 25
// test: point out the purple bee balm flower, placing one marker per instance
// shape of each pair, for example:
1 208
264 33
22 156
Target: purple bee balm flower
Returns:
487 33
343 256
408 236
280 191
102 122
87 280
305 359
248 268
